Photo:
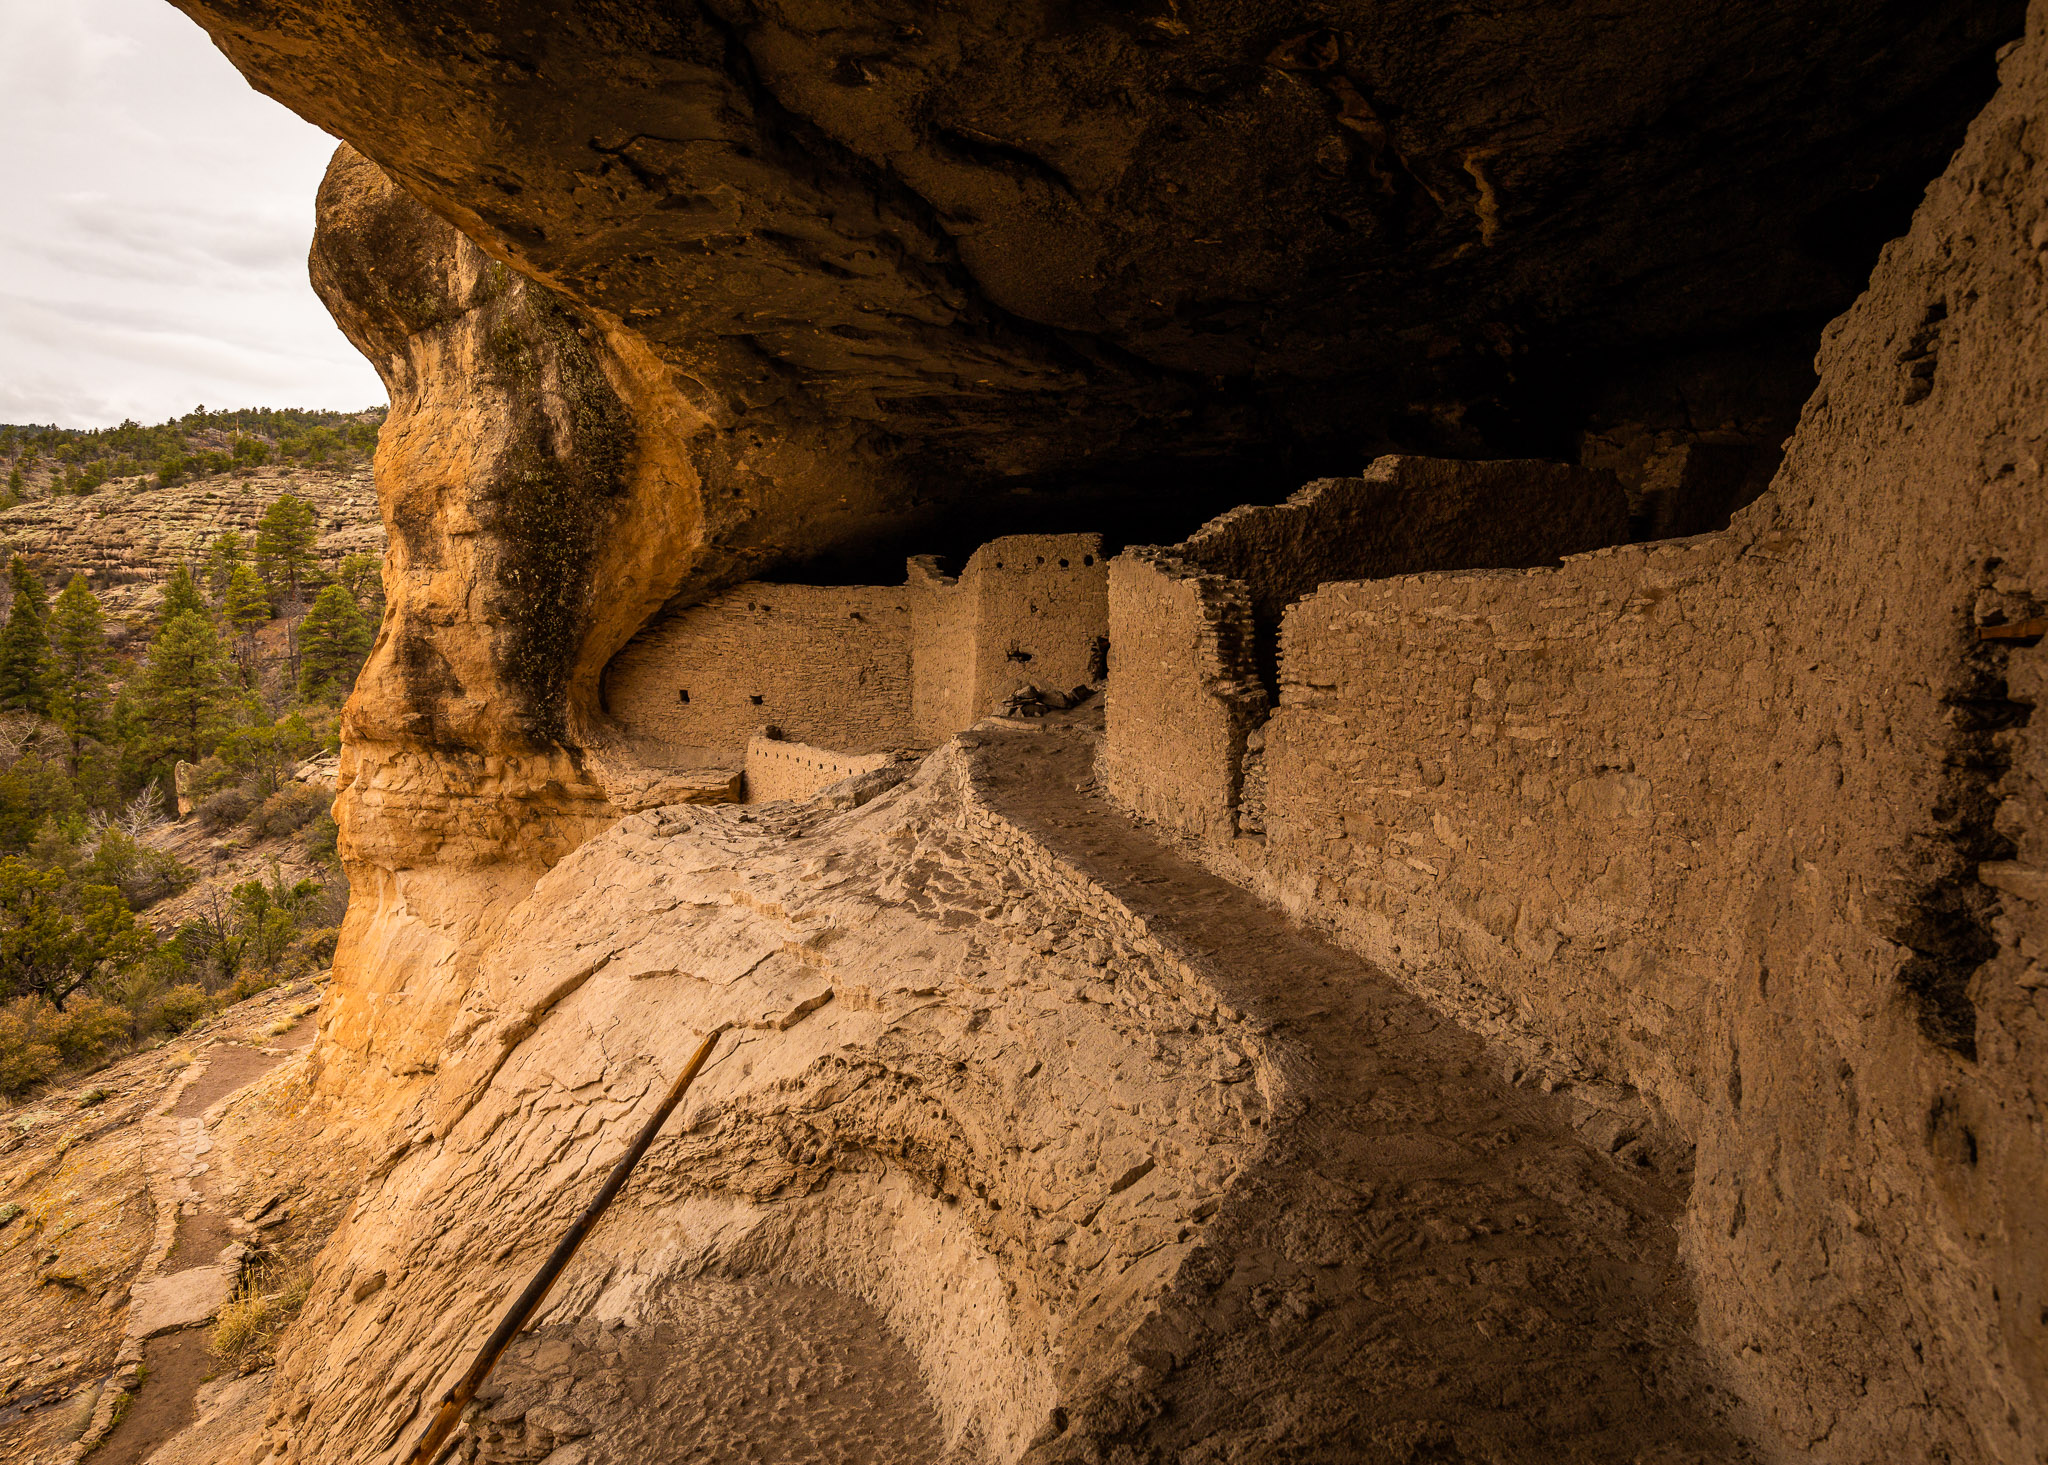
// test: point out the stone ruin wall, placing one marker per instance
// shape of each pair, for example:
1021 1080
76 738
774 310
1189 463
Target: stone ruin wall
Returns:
827 664
1194 628
778 770
1745 829
1041 606
862 668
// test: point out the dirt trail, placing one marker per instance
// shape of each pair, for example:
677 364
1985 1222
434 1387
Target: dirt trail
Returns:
187 1178
1441 1266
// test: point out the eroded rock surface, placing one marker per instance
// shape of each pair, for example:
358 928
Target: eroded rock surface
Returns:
1120 1159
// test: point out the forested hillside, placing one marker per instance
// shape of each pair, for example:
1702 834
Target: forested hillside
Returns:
186 608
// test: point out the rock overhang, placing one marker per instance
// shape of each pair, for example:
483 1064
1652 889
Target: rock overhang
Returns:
997 242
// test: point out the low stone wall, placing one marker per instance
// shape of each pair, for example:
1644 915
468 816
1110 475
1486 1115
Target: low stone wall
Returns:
1194 629
778 770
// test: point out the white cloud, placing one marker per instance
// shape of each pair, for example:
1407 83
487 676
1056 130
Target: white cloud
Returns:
155 214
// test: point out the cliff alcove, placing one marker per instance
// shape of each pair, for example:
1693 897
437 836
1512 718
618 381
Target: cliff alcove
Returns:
1436 853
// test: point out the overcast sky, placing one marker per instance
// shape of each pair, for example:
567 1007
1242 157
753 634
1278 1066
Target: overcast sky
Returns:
154 218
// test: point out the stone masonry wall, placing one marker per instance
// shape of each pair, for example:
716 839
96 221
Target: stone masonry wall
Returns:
941 649
777 769
1757 823
1041 604
827 664
862 668
1194 629
1183 692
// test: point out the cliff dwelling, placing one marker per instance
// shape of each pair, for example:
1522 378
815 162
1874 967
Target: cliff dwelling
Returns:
1331 705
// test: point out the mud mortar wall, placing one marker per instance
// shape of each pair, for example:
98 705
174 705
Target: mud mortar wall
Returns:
828 664
1194 629
1026 608
1183 695
1041 604
782 770
863 668
1755 822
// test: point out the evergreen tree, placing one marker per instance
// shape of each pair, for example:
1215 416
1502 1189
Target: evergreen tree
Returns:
78 646
333 641
25 644
55 935
181 596
284 550
221 558
245 608
364 577
183 689
14 483
24 579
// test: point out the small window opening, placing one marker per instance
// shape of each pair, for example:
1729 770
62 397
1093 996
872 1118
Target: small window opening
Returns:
683 697
1087 559
755 699
1063 564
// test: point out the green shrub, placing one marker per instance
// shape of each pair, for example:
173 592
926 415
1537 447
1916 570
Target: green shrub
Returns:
249 983
225 809
142 875
315 949
323 842
27 1056
87 1029
178 1008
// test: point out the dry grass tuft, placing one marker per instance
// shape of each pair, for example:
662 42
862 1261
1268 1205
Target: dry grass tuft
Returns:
265 1302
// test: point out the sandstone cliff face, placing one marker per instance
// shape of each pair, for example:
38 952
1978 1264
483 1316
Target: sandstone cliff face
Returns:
540 508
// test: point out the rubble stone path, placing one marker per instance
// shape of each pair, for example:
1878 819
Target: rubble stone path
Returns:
1428 1263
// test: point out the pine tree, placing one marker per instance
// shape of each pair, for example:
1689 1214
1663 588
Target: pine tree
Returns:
284 550
25 644
181 596
245 608
221 558
22 576
364 576
78 646
333 641
184 688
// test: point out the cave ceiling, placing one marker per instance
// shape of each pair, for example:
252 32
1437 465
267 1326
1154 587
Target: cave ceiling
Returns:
989 239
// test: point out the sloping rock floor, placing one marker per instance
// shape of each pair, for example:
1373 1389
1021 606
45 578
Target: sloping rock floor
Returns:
1027 1108
1428 1262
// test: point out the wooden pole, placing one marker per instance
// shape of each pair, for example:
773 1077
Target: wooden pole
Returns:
528 1302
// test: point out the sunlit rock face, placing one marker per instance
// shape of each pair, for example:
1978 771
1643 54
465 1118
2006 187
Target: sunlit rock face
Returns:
540 504
1003 241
